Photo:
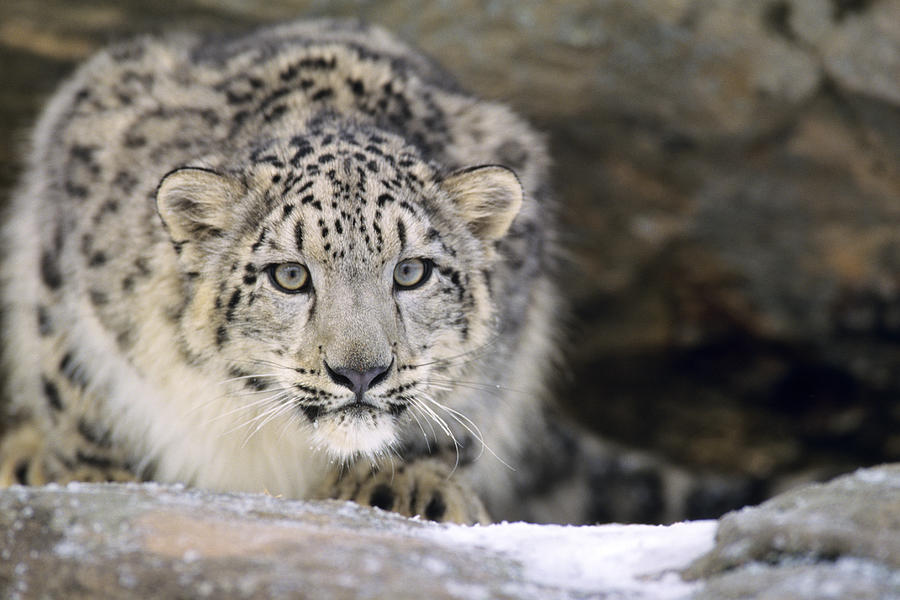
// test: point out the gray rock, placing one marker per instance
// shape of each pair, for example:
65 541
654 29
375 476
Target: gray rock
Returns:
843 579
864 55
835 540
149 541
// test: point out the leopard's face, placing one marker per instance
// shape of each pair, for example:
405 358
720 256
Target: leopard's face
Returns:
342 283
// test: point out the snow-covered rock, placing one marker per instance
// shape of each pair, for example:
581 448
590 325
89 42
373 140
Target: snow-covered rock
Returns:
150 541
838 540
835 540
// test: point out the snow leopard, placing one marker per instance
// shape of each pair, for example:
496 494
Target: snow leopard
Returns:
301 261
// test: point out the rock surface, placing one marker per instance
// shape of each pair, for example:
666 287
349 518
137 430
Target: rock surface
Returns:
115 541
838 540
841 538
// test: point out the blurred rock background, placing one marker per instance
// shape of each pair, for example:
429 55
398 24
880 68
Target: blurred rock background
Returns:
730 189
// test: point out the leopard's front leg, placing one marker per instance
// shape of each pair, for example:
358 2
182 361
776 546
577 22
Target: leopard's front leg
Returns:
422 488
26 458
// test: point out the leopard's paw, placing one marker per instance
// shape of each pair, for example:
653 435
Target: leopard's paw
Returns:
421 488
22 458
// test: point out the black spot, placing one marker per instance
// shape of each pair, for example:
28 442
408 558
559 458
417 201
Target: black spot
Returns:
272 97
436 507
318 63
72 371
356 86
382 497
143 266
134 141
304 187
326 158
323 94
221 335
844 8
233 97
94 434
45 328
778 18
312 411
397 408
384 198
21 472
256 384
288 208
232 304
298 235
259 241
288 73
51 392
50 273
99 462
98 298
97 259
257 157
240 117
275 113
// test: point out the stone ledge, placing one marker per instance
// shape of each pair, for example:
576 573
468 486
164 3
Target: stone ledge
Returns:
151 541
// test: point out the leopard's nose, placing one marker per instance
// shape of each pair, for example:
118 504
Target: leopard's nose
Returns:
356 380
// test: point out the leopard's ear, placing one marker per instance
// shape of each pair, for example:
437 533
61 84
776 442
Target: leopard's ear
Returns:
489 198
194 202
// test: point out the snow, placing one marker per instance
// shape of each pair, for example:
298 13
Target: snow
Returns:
622 560
516 560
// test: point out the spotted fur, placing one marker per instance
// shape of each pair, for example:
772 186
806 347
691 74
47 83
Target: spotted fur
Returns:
146 338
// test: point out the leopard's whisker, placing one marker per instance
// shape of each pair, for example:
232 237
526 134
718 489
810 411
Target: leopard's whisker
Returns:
273 400
495 388
278 410
444 426
424 433
470 426
249 405
259 376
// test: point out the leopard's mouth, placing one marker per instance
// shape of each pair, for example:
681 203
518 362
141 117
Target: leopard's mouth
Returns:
354 428
357 407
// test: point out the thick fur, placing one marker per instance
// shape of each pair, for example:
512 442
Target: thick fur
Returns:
145 336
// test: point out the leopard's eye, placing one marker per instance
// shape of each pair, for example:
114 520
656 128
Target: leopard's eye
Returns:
411 273
290 278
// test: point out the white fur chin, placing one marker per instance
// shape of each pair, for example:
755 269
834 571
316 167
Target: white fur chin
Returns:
348 436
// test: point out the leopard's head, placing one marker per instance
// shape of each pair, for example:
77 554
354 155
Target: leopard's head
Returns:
338 279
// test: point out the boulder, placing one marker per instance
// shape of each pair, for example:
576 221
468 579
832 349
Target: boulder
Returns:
841 539
148 541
